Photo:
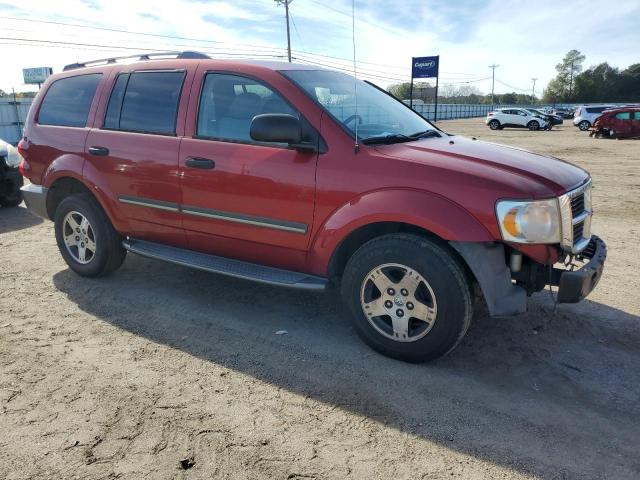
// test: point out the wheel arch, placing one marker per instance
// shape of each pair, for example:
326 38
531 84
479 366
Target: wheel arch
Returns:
68 184
390 211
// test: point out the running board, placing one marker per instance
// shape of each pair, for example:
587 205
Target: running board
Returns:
224 266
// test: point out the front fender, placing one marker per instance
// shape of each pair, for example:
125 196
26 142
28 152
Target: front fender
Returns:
426 210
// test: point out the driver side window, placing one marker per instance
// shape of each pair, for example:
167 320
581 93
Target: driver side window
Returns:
229 102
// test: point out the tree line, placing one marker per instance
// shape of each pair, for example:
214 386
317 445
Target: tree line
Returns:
598 83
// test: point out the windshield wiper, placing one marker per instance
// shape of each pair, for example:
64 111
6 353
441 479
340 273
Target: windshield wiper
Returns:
388 139
425 134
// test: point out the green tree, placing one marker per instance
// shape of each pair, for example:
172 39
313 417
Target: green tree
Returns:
421 91
561 87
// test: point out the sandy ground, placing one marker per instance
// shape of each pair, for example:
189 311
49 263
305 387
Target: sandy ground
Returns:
127 376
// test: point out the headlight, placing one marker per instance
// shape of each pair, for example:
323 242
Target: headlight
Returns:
13 157
529 222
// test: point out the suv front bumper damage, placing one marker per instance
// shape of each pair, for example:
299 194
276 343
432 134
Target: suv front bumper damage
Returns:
575 285
503 297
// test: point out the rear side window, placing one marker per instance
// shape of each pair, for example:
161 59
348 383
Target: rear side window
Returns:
145 102
636 115
596 109
68 100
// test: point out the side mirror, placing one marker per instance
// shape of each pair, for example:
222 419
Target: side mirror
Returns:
276 127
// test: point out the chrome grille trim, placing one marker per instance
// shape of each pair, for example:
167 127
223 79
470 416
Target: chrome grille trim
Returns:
568 220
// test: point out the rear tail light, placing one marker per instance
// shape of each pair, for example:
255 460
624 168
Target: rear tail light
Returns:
24 167
490 113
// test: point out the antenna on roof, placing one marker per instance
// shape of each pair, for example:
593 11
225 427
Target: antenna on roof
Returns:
356 147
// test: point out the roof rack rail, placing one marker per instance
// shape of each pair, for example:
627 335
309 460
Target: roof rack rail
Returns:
143 56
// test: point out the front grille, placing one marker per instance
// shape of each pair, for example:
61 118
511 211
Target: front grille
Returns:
575 211
577 205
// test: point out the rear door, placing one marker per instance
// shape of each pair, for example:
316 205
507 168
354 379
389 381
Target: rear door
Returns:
135 151
236 188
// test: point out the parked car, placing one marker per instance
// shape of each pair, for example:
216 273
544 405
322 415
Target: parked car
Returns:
564 112
586 115
550 118
618 123
516 118
10 178
272 172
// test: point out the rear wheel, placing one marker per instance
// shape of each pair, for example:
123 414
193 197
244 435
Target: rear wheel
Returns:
13 195
533 125
408 297
86 239
494 124
584 125
12 201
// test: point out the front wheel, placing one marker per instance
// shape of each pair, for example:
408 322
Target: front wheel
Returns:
86 239
533 125
584 125
409 298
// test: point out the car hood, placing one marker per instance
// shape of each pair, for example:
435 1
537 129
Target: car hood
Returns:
529 173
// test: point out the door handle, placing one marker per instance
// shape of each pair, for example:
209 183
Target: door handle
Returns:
99 151
198 162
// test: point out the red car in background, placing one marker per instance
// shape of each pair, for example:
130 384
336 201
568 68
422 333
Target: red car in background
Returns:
623 122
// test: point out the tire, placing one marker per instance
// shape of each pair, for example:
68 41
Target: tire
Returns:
12 201
442 292
494 125
108 253
584 125
14 198
533 125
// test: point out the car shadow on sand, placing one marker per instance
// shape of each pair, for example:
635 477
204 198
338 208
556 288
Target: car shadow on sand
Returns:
17 218
554 394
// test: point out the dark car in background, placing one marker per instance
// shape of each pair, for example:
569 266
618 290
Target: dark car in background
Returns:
564 112
550 118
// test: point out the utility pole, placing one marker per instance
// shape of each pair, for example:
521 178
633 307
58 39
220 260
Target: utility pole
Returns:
493 81
286 9
533 91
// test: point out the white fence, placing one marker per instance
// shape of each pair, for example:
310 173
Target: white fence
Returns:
13 113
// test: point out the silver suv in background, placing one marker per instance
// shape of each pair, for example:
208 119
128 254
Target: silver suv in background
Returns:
586 115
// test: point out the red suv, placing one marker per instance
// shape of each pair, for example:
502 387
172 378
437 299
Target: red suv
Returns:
303 177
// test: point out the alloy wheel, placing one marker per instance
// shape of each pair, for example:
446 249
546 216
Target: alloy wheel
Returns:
398 302
79 237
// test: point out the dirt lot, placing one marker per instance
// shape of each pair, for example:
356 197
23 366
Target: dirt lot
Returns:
126 376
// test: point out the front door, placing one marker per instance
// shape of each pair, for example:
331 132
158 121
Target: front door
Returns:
236 189
136 152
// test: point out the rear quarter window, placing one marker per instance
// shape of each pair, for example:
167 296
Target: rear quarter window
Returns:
68 100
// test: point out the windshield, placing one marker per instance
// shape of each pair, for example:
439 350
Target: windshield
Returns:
380 118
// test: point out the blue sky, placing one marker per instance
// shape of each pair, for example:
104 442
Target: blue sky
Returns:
525 38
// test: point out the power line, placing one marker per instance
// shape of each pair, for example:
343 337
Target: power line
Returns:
201 40
116 30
